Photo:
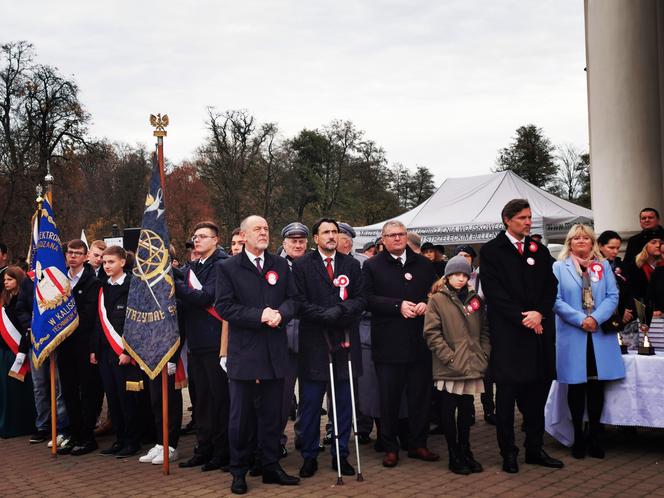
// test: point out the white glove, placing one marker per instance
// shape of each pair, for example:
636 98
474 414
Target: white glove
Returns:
170 368
20 358
222 363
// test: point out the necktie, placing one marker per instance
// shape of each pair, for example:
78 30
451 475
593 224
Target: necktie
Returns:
328 267
259 267
519 246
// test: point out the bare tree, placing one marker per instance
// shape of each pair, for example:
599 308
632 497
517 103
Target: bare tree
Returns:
572 172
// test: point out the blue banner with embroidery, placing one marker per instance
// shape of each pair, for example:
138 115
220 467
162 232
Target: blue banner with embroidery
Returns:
54 314
151 330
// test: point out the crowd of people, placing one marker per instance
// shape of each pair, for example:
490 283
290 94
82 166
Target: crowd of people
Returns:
397 338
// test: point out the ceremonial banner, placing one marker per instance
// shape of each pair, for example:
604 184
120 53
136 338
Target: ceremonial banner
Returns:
151 330
54 314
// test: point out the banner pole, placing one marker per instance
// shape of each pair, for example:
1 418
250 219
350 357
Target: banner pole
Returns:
160 122
54 416
48 180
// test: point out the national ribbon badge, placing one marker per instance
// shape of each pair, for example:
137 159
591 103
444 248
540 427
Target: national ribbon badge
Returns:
342 282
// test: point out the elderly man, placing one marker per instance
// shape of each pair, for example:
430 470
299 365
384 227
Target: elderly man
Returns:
397 284
294 244
331 296
256 295
520 290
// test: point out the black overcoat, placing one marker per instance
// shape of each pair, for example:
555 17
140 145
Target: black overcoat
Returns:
395 339
202 330
511 286
322 312
255 350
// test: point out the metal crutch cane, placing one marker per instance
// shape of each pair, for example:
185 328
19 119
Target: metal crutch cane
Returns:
340 480
346 346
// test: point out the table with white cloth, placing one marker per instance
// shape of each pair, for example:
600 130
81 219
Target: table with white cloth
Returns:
636 400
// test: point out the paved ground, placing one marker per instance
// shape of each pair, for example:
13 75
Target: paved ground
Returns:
633 467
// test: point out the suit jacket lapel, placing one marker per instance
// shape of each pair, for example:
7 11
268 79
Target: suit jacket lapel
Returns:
247 263
572 269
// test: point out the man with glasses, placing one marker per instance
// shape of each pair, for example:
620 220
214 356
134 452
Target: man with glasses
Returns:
203 332
397 282
79 378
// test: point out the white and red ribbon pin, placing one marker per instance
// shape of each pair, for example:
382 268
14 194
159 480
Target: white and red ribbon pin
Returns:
272 277
597 269
342 282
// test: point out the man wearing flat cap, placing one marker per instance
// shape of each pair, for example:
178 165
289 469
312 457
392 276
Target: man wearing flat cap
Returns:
294 245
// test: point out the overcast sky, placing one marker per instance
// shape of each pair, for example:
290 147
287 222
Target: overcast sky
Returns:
438 83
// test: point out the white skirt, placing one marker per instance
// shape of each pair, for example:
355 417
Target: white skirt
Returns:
465 386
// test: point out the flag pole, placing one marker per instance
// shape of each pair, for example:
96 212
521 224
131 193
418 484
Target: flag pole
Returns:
160 122
48 180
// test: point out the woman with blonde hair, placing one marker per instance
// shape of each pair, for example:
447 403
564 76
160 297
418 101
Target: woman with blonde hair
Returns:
585 356
644 266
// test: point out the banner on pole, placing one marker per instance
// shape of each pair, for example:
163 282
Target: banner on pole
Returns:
151 330
54 314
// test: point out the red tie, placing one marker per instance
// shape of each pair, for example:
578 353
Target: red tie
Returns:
328 267
519 246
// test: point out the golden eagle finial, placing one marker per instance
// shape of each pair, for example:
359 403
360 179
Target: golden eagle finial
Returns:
159 122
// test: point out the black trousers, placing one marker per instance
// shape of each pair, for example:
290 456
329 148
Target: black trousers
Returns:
123 405
79 382
255 421
174 410
531 398
455 414
486 397
212 405
416 379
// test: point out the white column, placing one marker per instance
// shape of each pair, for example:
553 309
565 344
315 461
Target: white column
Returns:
623 54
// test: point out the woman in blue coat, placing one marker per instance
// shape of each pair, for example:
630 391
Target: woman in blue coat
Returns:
586 357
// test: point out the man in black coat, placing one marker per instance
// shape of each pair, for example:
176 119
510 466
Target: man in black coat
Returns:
650 229
331 302
397 282
520 291
256 294
203 332
79 378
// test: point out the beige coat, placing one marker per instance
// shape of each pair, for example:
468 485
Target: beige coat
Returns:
458 335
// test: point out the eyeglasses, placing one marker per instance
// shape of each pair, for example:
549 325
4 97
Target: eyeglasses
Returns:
395 235
202 237
76 253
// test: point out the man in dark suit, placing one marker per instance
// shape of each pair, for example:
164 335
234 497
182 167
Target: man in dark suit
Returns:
203 332
331 303
79 378
650 228
397 282
520 291
256 294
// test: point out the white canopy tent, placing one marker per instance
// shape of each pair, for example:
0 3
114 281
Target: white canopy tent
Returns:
467 211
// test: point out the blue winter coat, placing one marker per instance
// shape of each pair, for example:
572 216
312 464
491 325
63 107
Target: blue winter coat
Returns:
571 339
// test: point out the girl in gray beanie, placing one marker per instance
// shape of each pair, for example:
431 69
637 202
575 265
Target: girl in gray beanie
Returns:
456 331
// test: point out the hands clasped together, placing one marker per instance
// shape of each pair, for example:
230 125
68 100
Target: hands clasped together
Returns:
270 317
412 310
